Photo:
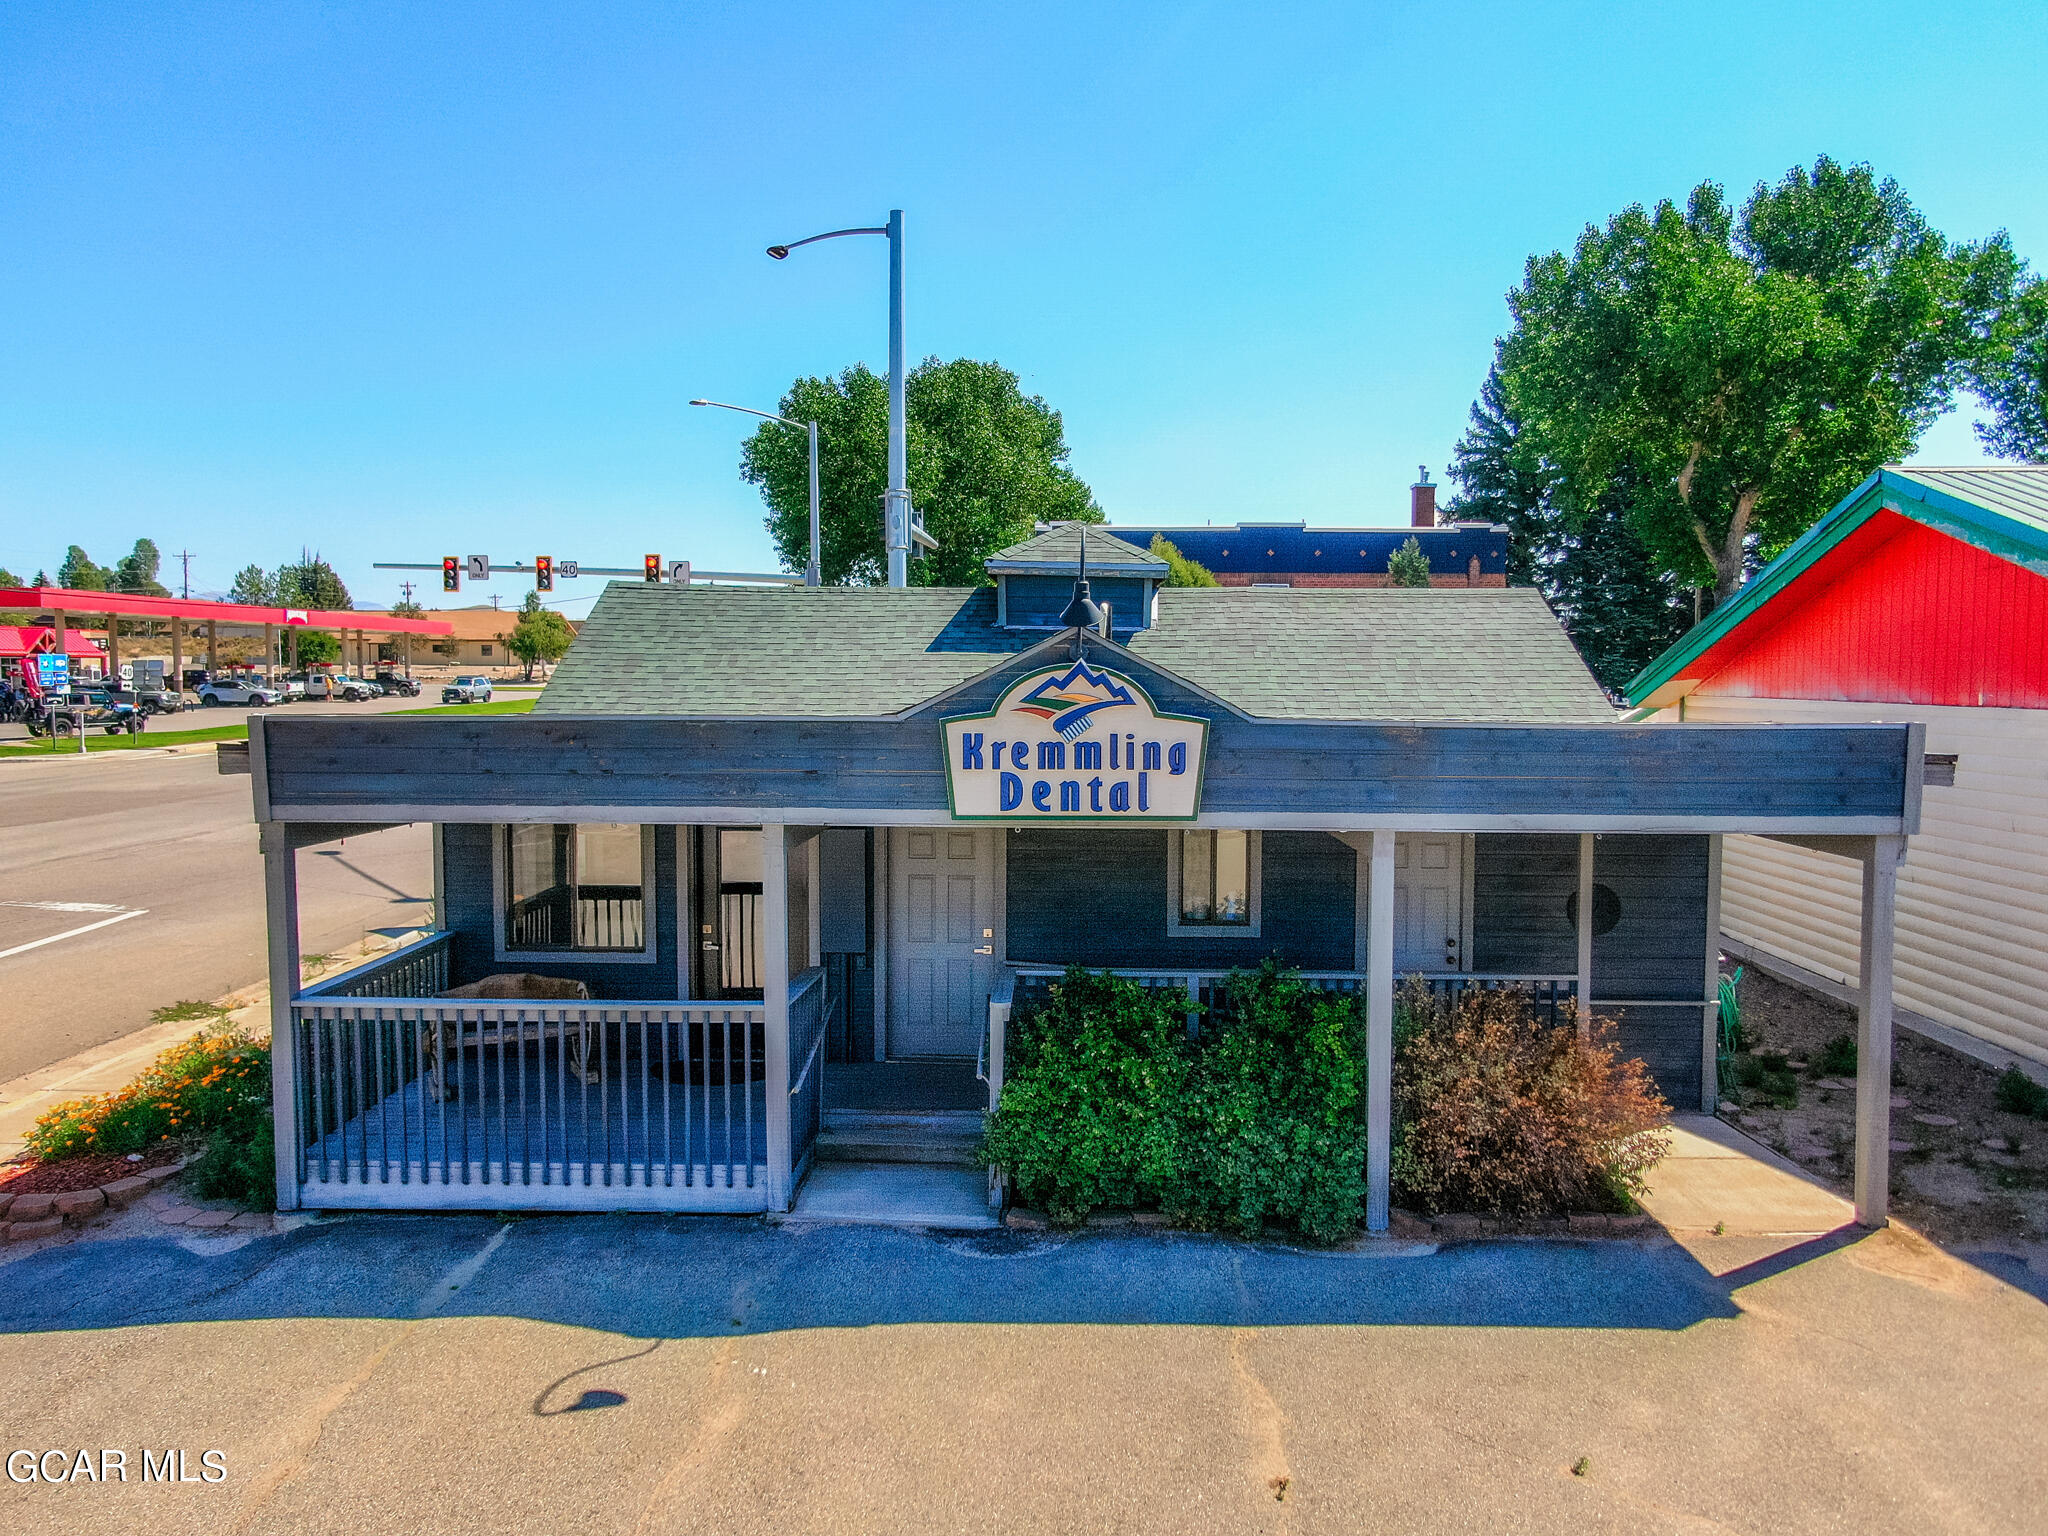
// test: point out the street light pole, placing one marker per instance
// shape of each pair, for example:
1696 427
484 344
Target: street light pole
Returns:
898 522
812 577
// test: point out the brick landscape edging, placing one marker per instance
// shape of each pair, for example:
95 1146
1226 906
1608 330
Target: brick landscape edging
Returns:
39 1215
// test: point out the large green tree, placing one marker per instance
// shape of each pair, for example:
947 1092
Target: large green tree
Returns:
2015 384
310 582
540 634
252 584
136 570
1747 367
77 573
986 462
1619 607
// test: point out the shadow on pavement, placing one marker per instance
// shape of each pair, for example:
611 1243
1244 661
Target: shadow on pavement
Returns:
692 1276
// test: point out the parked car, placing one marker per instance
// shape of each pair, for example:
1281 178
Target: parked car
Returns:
467 690
148 700
353 689
238 690
99 708
399 683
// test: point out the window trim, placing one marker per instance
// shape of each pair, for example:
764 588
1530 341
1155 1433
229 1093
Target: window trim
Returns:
1179 928
501 901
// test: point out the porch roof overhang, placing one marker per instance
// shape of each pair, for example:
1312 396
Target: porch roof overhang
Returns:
1809 780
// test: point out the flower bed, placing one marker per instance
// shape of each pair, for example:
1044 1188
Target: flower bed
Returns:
213 1089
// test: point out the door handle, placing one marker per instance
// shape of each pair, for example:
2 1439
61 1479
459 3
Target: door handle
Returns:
984 949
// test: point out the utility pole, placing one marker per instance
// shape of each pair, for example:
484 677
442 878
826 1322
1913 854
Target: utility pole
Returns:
185 560
406 588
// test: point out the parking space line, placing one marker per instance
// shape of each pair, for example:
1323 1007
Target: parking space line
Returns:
67 906
105 922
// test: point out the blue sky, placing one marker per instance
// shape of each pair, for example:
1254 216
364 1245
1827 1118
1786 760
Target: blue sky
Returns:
403 281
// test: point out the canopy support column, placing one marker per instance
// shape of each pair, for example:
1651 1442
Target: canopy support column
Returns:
269 653
177 657
775 840
1379 1034
113 651
1585 999
212 646
281 907
1874 1032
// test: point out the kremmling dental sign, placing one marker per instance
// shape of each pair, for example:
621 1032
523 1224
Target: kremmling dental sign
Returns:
1074 743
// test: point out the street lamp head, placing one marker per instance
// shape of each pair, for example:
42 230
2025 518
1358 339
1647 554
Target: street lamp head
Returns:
701 402
778 251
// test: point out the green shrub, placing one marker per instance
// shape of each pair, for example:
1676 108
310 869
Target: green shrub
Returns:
1837 1058
1091 1096
2018 1094
1499 1113
1273 1121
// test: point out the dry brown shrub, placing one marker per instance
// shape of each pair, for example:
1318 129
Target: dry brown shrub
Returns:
1498 1112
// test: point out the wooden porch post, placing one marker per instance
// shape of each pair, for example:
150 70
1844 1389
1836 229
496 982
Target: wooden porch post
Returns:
1379 1035
1585 1008
775 841
1874 1032
281 912
1710 1024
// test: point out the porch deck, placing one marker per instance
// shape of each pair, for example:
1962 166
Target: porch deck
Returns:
513 1126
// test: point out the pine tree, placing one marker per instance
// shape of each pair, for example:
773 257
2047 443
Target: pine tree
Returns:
1408 566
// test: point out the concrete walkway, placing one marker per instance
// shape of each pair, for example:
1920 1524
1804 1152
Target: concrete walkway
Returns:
896 1195
1721 1181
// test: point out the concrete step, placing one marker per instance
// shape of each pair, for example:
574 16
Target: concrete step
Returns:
947 1139
893 1194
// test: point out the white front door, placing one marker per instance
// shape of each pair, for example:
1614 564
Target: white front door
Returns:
1429 902
944 904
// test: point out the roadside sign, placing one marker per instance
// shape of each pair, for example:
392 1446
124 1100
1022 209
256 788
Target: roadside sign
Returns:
479 567
53 671
651 567
451 574
566 569
543 573
679 572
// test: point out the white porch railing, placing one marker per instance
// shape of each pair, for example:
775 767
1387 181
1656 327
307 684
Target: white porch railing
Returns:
419 1101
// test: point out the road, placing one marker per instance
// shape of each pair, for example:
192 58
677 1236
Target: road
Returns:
639 1374
86 842
193 718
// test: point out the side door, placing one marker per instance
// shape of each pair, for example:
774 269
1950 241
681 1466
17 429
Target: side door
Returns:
1429 902
943 958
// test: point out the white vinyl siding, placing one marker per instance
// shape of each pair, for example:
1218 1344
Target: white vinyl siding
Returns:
1973 892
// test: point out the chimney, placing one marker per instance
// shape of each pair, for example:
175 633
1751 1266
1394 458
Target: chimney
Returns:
1422 499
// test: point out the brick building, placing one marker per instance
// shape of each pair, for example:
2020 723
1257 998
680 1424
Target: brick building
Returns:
1296 555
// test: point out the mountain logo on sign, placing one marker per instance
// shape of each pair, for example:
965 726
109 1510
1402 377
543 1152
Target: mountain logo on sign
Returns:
1070 703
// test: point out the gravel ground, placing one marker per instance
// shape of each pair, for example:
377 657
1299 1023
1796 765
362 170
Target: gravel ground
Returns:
1964 1172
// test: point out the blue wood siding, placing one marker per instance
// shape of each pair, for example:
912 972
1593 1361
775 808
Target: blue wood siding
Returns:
320 766
1038 601
1098 898
1657 949
472 919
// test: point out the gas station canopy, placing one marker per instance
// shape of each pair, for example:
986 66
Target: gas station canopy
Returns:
64 601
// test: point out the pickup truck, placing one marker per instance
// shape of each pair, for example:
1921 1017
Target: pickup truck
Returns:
399 683
467 690
217 691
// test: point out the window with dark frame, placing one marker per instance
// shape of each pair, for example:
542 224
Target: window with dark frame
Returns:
575 887
1215 879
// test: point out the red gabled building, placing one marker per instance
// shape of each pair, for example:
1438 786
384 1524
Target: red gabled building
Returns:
1922 596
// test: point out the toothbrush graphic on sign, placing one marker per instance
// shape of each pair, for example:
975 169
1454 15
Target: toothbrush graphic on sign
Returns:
1069 704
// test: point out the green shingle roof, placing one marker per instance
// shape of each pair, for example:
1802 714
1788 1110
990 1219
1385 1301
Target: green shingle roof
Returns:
2017 491
1058 549
1373 654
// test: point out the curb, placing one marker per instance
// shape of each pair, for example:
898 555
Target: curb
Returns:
39 1215
1456 1227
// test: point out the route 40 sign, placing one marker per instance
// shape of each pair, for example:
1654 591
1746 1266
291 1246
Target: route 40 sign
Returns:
1075 743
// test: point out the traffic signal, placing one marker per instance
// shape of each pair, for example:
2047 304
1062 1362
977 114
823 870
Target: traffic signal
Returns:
451 574
653 567
543 573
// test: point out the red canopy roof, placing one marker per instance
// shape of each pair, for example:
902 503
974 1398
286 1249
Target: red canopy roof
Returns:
134 605
34 639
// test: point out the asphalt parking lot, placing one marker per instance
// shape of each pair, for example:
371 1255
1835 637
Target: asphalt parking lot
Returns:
651 1373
